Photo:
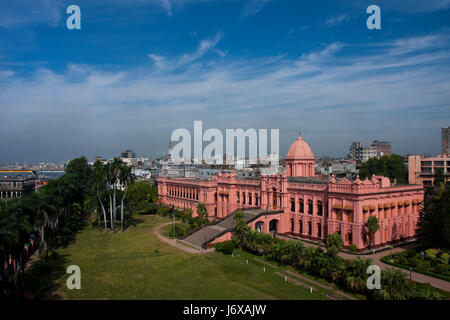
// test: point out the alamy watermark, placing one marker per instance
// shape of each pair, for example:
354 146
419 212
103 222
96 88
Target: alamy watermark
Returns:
374 280
213 152
74 280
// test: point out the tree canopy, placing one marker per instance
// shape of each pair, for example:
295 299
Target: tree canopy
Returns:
433 228
391 167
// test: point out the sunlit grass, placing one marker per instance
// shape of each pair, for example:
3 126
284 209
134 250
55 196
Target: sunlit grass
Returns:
137 265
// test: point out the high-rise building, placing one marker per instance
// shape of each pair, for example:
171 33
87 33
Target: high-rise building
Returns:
127 154
383 148
424 169
356 150
359 152
446 140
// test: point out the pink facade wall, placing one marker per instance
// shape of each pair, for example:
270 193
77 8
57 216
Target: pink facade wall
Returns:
222 238
334 206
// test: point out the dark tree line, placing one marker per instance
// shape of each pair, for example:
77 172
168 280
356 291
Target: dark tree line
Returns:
349 274
55 212
46 218
433 229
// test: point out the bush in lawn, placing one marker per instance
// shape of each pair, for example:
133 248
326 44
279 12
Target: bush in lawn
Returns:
228 247
219 246
444 258
442 269
434 263
162 210
431 254
403 260
353 248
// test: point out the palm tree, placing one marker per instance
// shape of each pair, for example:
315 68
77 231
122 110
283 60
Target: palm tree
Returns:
126 178
99 183
44 211
372 226
355 277
110 180
394 286
334 244
202 213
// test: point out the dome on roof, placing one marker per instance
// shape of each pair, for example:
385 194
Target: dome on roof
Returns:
300 150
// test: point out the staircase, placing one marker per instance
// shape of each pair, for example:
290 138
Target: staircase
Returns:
209 233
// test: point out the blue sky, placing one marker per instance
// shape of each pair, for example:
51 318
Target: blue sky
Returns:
138 69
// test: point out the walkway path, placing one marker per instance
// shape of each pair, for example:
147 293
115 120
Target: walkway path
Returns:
176 243
376 259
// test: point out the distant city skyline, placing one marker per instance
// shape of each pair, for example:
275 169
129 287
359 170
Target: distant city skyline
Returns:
137 70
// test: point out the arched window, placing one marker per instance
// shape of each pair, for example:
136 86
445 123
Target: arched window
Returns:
301 206
310 207
250 199
237 197
256 199
243 198
292 204
319 208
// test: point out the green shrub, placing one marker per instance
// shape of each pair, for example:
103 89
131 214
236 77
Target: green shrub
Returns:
228 247
442 269
403 260
219 246
353 248
444 258
431 254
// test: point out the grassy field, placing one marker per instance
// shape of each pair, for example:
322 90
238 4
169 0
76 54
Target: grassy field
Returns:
137 265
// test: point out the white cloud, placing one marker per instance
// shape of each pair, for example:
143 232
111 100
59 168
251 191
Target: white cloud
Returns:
6 74
13 13
167 6
159 61
204 46
253 7
412 44
337 20
381 95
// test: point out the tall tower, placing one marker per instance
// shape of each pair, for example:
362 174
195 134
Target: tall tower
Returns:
170 152
446 140
300 159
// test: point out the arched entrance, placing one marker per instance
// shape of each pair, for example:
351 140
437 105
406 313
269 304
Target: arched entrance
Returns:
259 226
273 226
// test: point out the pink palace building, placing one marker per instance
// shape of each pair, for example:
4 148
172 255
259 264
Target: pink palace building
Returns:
298 204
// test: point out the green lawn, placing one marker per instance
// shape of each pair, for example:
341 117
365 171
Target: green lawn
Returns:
137 265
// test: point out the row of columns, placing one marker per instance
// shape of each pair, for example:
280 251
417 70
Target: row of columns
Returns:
390 213
248 198
10 194
306 200
304 220
183 192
